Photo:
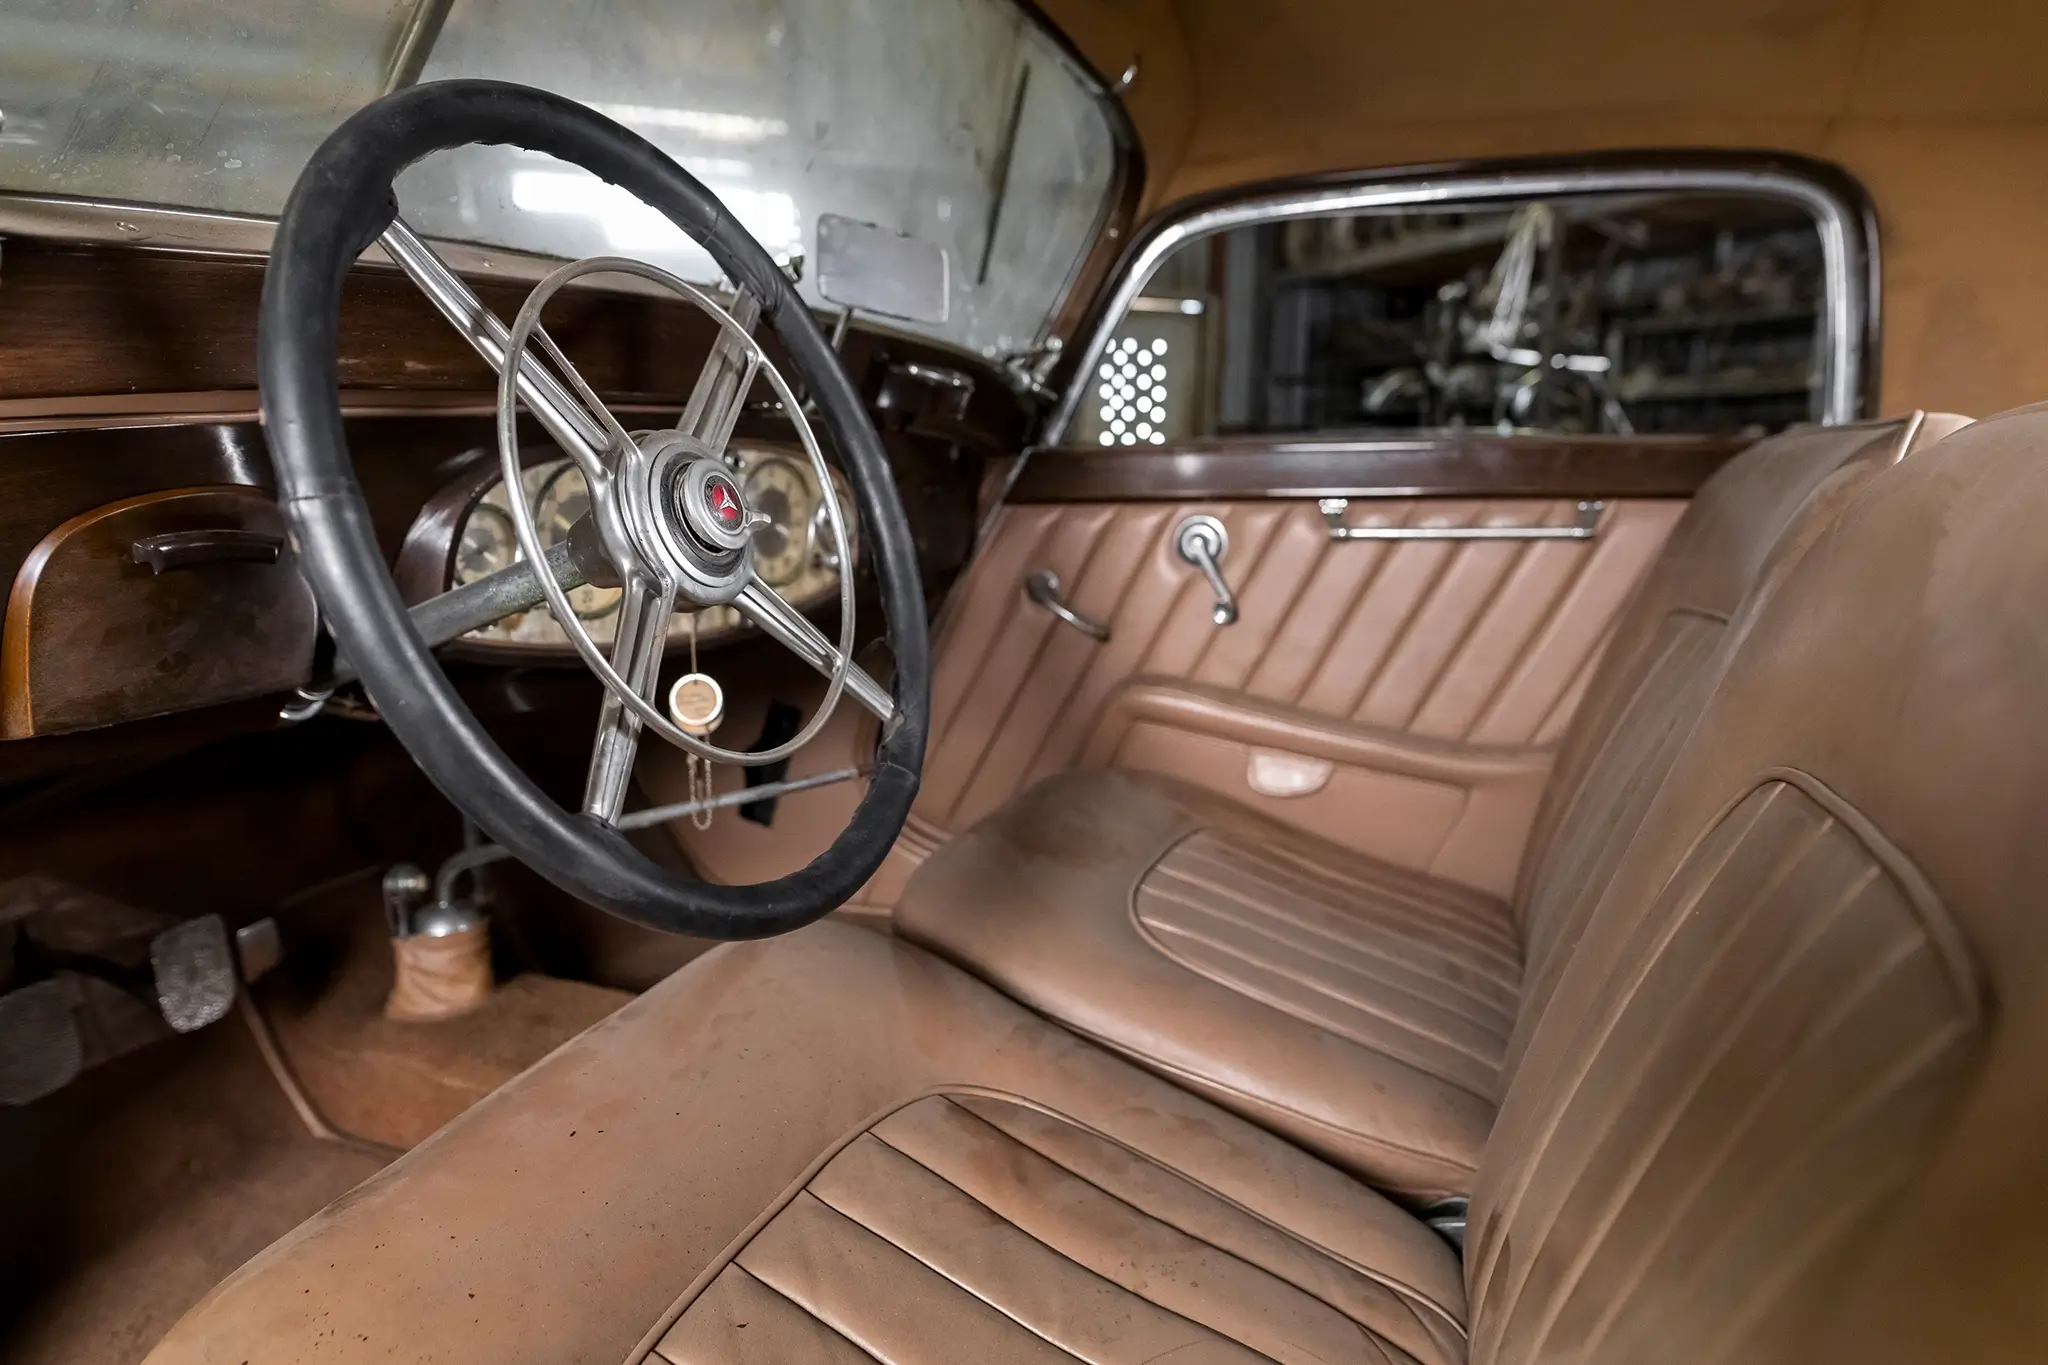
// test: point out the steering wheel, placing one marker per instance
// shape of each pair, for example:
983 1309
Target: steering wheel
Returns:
668 522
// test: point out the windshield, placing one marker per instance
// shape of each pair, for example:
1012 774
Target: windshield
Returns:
956 121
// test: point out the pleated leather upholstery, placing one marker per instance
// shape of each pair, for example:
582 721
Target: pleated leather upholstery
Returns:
832 1146
1488 644
1400 993
1284 978
1749 525
1417 969
1747 1069
971 1227
1785 1105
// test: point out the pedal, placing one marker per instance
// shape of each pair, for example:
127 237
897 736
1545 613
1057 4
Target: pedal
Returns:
195 973
41 1049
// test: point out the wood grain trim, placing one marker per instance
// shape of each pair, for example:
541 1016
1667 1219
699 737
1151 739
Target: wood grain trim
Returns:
1380 467
98 674
85 323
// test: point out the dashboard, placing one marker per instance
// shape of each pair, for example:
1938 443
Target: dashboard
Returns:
128 423
794 553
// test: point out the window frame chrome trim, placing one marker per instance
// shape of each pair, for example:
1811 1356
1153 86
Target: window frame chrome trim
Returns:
1842 216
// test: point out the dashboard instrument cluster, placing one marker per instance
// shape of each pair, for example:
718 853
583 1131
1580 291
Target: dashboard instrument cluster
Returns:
793 553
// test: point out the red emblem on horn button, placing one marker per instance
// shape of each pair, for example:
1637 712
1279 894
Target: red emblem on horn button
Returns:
722 497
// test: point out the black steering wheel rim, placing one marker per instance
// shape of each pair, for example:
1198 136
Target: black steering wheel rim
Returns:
341 203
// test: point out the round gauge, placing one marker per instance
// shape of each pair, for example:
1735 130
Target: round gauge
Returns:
488 544
779 489
563 500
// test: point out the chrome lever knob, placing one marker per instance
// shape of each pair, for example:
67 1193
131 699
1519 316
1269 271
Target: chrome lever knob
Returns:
1202 541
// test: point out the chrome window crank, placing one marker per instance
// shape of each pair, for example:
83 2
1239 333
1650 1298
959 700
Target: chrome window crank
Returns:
1203 542
1042 586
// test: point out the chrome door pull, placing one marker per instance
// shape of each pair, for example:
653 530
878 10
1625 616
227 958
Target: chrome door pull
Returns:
1042 586
1203 542
1584 527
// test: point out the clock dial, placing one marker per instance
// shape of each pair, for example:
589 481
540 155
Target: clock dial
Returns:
487 545
782 490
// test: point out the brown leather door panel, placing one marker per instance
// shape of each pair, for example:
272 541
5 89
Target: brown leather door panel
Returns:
1407 694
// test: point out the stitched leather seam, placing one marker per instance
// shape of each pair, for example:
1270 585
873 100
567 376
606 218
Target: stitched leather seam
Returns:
1281 925
1475 620
1408 1292
1080 1266
1394 1023
1405 910
1348 980
1146 933
1645 1052
1517 667
966 1289
645 1346
655 1352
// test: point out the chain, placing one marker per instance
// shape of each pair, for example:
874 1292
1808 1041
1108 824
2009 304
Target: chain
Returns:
698 769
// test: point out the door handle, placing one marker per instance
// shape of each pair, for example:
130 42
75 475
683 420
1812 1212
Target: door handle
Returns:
1584 527
1042 586
1203 542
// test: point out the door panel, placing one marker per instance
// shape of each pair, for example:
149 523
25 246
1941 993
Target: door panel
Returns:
1401 697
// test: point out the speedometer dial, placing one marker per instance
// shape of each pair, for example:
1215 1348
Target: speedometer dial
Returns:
783 491
564 499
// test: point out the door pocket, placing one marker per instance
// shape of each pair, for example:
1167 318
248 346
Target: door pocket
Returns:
1444 808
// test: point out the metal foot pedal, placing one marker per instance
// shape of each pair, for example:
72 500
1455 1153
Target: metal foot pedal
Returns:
41 1049
195 973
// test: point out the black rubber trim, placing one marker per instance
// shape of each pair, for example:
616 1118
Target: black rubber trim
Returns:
343 199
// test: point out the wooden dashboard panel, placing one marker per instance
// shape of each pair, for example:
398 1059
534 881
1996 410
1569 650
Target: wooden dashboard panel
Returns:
164 602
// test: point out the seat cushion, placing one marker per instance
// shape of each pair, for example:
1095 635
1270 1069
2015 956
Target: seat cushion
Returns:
1360 1009
834 1147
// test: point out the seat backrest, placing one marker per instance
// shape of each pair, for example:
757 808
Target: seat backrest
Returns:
1655 674
1788 1101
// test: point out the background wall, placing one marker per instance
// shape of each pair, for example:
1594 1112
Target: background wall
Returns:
1940 107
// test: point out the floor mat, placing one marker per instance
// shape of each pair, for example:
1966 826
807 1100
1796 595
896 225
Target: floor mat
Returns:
391 1082
132 1192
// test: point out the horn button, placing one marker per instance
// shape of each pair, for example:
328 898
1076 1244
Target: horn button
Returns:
705 499
700 516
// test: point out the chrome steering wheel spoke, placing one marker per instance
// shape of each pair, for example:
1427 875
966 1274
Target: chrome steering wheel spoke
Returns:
580 424
767 609
646 605
637 531
643 615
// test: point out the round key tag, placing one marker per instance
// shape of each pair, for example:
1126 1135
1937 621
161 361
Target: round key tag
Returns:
696 703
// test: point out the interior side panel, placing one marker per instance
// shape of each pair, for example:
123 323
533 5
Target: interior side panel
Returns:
1403 697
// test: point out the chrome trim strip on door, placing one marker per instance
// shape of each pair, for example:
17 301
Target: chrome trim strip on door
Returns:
1584 527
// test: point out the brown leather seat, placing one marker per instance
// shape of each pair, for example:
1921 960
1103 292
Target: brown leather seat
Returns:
1784 1104
1363 1010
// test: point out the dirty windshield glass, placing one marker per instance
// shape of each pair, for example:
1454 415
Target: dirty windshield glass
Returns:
957 121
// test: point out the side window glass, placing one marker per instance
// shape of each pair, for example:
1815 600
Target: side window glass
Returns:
1687 312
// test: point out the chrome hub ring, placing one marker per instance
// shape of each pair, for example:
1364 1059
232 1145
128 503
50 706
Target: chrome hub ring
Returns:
693 518
633 518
